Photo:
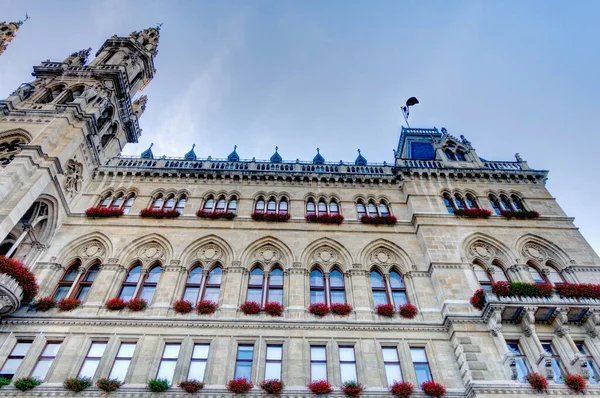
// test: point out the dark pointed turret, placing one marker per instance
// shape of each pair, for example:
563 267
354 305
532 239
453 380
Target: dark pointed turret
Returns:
276 158
233 156
318 159
360 160
147 154
191 155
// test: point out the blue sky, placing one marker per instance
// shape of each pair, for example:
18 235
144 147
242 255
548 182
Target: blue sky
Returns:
512 76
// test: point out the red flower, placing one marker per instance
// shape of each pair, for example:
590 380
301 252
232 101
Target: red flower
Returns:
206 307
215 214
408 311
273 308
320 387
385 310
137 304
24 277
433 389
272 387
352 389
108 385
578 290
341 309
241 385
44 304
379 220
192 386
250 308
472 213
115 304
503 289
521 214
478 299
537 381
318 309
325 218
575 382
149 213
276 217
401 389
182 306
95 212
68 304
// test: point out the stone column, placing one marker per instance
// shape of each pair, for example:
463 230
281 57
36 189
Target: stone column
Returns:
296 289
221 360
294 366
72 353
360 294
147 356
231 288
107 283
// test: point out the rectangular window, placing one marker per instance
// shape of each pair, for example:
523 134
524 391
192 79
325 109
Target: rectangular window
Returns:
92 359
421 364
198 362
166 369
14 359
556 364
45 360
391 362
592 367
243 362
347 364
520 360
318 363
122 361
273 362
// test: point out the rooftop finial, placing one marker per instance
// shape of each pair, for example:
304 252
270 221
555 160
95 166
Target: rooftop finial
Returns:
276 148
23 21
317 150
234 147
193 146
359 151
159 25
151 144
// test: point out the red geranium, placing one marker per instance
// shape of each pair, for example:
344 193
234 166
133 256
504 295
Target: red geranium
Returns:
182 306
578 290
216 214
341 309
272 387
478 299
24 277
192 386
408 311
402 389
433 389
276 217
149 213
503 289
137 304
115 304
95 212
318 309
385 310
472 213
108 385
575 382
250 308
537 381
352 389
521 214
44 304
241 385
379 220
273 308
68 304
325 218
206 307
320 387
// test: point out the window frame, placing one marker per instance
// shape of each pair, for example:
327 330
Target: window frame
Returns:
555 358
519 357
15 357
394 363
397 289
82 282
341 288
46 357
75 267
271 286
198 285
274 361
318 361
379 289
317 288
207 285
238 360
129 284
149 284
198 360
256 286
415 363
169 360
353 362
118 358
88 357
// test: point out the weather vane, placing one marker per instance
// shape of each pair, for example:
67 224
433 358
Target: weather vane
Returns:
158 25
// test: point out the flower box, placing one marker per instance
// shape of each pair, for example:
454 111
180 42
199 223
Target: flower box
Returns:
408 311
250 308
272 387
158 385
320 387
77 384
478 299
325 219
575 382
503 289
402 389
341 309
68 304
537 381
433 389
137 304
95 212
149 213
241 385
206 307
213 215
273 308
4 381
45 304
318 309
520 215
379 220
578 290
473 213
385 310
182 306
24 277
191 386
274 217
108 385
115 304
352 389
27 383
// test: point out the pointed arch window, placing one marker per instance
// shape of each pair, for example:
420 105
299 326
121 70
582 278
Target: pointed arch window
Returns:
505 203
360 210
495 204
255 285
334 209
209 204
193 285
372 209
471 201
129 285
516 202
535 274
169 204
271 206
384 211
397 288
337 290
128 204
450 154
213 285
260 206
553 274
310 208
220 206
105 203
150 283
448 203
232 205
275 283
85 284
459 201
460 155
117 203
378 288
499 275
158 203
181 204
66 282
483 277
283 206
317 286
322 207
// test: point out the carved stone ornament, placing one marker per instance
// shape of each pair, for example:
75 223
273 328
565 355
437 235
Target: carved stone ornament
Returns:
382 256
74 176
151 251
92 249
325 255
209 253
534 251
482 250
268 254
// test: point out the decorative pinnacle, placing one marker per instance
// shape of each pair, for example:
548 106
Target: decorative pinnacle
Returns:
359 151
151 144
276 148
19 23
193 146
159 25
317 150
234 147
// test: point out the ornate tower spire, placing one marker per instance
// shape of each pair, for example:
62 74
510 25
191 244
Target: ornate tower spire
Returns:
8 31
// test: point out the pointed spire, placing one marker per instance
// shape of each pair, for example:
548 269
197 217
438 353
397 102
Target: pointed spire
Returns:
360 160
8 31
276 158
147 154
191 155
233 156
318 159
147 38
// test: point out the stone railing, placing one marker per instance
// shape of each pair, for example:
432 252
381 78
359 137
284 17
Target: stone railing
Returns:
503 165
11 294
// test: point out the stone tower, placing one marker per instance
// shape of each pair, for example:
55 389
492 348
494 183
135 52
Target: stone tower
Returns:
8 31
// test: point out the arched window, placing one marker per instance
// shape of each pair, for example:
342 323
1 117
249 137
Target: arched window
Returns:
169 204
495 204
516 202
283 206
128 204
505 203
260 206
450 154
499 275
383 209
372 209
209 204
459 201
360 210
448 202
150 282
398 289
334 209
130 283
471 201
271 206
317 287
213 285
66 282
181 204
220 206
158 203
460 155
232 205
535 274
310 207
553 275
85 284
485 280
117 203
255 285
378 289
193 285
275 292
104 203
322 207
337 290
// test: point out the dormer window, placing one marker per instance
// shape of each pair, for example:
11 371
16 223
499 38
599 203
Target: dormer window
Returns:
450 154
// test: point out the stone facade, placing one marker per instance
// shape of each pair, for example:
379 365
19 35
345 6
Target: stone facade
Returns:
60 142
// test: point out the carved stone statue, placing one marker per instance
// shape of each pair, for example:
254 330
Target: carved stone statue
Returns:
74 177
518 157
90 92
24 91
139 105
78 58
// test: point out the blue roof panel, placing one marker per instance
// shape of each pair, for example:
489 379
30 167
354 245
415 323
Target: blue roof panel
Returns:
422 151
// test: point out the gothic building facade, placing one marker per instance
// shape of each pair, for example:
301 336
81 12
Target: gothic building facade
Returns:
429 229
